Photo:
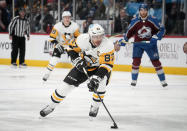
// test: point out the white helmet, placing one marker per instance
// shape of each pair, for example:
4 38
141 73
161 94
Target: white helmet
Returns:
66 13
95 29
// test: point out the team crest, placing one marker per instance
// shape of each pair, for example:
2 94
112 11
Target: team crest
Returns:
144 32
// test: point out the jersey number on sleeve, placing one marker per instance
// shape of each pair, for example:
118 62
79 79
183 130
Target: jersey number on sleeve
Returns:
109 57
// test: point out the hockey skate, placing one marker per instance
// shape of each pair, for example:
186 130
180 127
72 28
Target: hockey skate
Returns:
14 65
133 83
47 110
164 84
93 111
23 65
45 77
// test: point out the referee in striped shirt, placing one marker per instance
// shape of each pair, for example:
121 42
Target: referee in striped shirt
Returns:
18 28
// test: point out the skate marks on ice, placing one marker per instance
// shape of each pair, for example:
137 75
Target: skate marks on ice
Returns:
148 107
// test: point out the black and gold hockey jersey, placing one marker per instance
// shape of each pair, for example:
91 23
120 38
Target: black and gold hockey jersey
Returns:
64 34
100 58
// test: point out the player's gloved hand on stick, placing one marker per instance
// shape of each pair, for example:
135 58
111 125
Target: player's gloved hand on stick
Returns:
122 42
79 64
116 46
94 83
60 48
153 40
54 42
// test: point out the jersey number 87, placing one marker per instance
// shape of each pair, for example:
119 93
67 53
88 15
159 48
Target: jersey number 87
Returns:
109 57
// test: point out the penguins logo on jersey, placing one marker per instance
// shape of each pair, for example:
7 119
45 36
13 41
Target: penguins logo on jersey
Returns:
66 37
90 60
144 32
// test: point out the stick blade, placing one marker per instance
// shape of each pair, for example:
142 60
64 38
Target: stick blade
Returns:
114 126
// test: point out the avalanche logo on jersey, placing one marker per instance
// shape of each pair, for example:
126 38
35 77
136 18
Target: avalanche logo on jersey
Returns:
144 32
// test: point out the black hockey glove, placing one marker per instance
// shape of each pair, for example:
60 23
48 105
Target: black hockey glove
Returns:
60 48
94 83
79 64
54 42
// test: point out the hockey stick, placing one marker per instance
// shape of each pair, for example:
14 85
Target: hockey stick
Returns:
126 42
115 125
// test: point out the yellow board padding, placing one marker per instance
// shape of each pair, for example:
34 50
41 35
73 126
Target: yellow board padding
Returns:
40 63
127 68
167 70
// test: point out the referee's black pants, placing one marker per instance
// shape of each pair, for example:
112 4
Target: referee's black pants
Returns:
18 44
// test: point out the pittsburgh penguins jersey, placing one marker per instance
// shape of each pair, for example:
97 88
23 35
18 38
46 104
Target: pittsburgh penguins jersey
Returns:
63 34
101 57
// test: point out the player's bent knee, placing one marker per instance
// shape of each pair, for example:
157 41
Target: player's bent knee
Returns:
64 89
102 85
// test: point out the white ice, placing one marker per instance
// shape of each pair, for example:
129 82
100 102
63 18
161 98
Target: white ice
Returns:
147 107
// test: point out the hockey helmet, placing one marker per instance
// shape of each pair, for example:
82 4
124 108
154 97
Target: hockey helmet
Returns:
95 29
143 6
66 13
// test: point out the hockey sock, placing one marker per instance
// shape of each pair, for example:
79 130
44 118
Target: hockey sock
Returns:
57 97
53 61
60 93
96 101
135 68
159 70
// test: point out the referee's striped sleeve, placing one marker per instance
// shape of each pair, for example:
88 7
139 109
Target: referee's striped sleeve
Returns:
12 26
28 29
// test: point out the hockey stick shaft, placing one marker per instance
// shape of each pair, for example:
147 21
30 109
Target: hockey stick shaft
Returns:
101 99
126 42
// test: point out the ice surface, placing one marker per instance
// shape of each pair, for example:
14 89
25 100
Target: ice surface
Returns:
147 107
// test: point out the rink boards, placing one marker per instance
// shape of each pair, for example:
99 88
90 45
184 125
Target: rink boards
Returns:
171 53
